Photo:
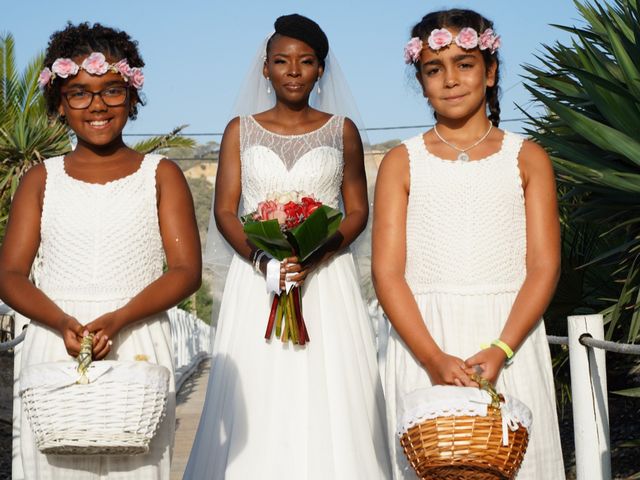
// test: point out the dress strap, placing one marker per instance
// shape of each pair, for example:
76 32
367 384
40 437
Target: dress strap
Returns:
415 148
510 152
150 164
54 166
417 158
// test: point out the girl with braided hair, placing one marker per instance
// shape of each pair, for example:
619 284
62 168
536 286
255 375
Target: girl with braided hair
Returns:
104 218
466 247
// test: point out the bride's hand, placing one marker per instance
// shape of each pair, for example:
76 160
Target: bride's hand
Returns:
293 271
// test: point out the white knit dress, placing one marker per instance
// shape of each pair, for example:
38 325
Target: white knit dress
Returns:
466 249
100 246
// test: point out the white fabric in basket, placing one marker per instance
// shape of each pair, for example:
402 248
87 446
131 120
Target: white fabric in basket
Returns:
444 401
62 374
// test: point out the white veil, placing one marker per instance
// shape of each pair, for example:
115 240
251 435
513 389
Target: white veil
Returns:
255 96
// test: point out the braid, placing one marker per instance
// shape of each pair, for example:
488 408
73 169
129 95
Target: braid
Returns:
493 103
84 39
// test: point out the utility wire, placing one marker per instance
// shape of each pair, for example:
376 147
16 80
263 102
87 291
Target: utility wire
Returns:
369 129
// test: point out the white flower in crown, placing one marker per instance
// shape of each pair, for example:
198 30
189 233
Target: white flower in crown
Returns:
467 38
63 67
137 78
439 38
489 40
44 78
95 64
122 67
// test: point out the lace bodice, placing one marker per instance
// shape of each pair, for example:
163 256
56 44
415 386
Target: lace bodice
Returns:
311 163
99 242
466 229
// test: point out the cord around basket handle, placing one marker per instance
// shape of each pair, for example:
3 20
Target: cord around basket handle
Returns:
487 386
84 358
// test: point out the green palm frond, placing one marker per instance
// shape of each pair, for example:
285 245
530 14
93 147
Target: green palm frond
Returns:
590 89
172 139
9 79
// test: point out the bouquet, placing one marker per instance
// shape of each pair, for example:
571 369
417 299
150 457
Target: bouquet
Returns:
285 225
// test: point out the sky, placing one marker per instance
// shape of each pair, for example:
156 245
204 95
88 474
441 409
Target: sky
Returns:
197 52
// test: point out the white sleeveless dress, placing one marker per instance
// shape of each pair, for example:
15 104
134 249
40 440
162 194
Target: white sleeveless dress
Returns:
100 246
466 248
272 410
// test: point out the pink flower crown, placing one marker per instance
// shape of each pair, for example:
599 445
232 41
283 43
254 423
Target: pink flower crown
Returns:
466 38
94 64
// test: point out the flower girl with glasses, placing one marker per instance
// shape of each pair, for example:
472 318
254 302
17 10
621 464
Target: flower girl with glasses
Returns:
104 218
466 241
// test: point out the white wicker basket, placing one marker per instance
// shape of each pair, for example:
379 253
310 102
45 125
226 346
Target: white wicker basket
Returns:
116 413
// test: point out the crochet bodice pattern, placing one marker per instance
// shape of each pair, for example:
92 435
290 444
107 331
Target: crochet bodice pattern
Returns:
465 231
99 241
271 163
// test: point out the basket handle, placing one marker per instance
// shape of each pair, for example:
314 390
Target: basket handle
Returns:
84 358
487 386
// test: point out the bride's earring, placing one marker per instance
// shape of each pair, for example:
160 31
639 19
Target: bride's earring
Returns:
268 85
319 90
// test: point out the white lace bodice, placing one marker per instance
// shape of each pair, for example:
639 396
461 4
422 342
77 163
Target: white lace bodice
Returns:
99 242
466 229
311 163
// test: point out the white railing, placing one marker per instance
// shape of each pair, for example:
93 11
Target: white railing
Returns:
589 393
191 343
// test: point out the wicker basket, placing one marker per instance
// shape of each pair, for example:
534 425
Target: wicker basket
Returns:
467 446
116 413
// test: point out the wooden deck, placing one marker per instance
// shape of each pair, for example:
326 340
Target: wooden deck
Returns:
189 406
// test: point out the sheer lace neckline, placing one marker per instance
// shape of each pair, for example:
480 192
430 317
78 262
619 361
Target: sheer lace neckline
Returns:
290 148
297 135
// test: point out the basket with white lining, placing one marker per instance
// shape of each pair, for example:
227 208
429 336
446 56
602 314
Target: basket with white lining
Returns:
116 412
450 432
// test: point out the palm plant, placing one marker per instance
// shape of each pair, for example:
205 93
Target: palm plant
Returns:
27 136
591 92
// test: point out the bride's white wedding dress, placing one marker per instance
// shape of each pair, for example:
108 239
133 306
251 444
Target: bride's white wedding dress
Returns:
275 411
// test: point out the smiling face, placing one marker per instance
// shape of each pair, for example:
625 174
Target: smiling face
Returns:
293 68
99 124
454 80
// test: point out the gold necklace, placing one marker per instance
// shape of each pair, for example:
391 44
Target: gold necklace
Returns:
463 156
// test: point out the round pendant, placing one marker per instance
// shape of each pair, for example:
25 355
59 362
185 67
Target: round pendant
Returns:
463 157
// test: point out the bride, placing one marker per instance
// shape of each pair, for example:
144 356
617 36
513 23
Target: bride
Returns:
275 410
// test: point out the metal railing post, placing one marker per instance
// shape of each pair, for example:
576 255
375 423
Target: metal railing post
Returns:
589 398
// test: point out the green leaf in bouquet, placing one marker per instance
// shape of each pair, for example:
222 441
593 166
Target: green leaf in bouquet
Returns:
268 236
311 234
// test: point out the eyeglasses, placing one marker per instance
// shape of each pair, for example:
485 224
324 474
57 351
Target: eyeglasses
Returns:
111 97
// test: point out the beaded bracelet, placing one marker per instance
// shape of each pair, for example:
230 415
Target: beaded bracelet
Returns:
257 259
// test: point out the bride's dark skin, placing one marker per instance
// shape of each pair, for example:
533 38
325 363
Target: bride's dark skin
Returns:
293 69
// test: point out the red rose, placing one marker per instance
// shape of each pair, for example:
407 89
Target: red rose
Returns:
310 205
295 214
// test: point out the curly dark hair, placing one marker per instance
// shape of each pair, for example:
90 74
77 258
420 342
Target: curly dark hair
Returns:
83 39
458 19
